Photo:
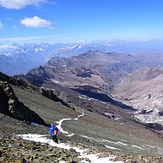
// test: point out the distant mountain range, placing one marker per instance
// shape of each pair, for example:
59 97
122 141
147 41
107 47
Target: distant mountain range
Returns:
20 58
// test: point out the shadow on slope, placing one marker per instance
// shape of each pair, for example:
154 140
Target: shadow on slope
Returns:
92 93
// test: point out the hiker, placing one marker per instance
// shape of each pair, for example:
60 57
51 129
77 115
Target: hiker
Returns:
54 131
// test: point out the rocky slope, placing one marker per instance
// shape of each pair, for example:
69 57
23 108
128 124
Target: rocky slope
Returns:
10 105
16 150
143 91
92 129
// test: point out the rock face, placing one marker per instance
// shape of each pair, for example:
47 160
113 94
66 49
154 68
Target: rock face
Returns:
94 68
10 105
143 91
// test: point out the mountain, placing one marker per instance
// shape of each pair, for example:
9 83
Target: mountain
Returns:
97 81
20 58
16 58
86 66
142 90
124 140
82 81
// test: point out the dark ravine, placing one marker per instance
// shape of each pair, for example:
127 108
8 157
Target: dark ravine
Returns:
89 92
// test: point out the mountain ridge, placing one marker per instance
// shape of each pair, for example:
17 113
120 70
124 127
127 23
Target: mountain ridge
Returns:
84 71
20 58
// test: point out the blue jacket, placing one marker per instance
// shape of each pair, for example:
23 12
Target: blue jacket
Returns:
52 130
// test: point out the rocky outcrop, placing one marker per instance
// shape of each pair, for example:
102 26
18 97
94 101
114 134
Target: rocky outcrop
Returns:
11 80
49 94
20 83
10 105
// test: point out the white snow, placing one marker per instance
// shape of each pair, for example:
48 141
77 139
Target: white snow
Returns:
104 141
121 143
83 97
136 146
38 49
59 126
93 157
7 47
80 46
110 147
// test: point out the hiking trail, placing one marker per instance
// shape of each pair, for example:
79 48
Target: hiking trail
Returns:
60 122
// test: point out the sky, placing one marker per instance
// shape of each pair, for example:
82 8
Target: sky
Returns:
80 20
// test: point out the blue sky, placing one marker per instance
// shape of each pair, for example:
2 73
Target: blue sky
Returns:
75 20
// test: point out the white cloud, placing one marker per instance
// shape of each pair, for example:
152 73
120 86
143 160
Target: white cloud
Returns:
18 4
35 22
30 38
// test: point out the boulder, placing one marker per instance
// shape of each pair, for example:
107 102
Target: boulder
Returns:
10 105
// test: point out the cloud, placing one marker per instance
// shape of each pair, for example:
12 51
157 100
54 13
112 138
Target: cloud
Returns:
30 38
35 22
18 4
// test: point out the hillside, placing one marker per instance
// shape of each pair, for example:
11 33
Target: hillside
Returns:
143 91
90 129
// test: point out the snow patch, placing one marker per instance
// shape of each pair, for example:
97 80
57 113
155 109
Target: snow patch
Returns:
60 122
136 146
110 147
94 158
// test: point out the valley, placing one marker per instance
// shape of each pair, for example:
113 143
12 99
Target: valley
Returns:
110 101
107 83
